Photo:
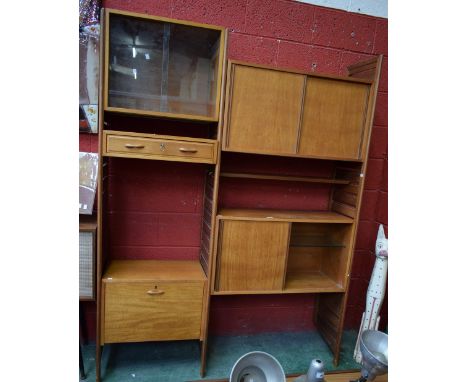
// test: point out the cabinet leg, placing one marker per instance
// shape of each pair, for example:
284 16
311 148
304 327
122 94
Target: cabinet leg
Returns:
98 362
204 346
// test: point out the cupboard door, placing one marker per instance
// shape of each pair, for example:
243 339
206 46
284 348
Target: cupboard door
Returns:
158 311
333 119
264 110
252 255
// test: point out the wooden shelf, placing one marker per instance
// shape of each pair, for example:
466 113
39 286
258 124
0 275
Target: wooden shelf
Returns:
310 282
149 270
318 245
280 215
284 178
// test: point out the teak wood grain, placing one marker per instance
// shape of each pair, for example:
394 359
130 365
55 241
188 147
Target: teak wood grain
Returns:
283 215
152 311
150 270
252 256
264 110
159 147
284 178
334 116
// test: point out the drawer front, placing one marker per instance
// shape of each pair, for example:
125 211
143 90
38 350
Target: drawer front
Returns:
155 148
159 311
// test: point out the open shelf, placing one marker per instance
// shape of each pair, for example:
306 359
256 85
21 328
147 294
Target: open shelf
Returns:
317 258
312 281
284 178
283 215
148 270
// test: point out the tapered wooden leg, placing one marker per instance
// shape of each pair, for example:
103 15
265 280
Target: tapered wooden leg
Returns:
204 346
98 362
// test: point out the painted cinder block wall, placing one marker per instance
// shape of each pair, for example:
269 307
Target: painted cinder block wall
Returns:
289 34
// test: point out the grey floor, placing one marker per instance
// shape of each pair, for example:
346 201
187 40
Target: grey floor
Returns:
179 361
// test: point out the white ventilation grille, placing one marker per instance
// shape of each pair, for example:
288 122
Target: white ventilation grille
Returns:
86 264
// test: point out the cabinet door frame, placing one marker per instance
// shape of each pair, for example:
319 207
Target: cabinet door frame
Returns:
307 75
282 259
294 126
312 115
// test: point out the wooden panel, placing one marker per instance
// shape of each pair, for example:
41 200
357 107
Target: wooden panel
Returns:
264 112
310 282
286 216
151 146
333 120
252 256
344 209
149 270
152 311
284 178
207 223
329 320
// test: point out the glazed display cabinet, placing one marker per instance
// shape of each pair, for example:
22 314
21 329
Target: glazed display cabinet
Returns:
162 67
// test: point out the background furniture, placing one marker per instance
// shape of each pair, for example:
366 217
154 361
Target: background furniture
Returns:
87 270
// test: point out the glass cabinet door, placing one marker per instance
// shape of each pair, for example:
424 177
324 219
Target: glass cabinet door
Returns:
159 67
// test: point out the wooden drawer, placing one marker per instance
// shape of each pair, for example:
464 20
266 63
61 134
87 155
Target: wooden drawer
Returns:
152 311
147 146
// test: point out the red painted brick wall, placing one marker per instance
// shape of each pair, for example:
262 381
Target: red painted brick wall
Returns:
288 34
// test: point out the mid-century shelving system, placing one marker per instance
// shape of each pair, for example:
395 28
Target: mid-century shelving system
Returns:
169 95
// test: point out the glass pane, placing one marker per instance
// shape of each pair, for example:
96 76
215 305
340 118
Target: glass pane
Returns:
162 67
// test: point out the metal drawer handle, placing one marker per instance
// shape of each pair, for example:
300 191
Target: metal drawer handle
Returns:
153 292
132 146
184 150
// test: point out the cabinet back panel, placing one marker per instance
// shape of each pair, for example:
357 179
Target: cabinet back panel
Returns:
148 125
154 209
270 194
265 108
333 120
277 165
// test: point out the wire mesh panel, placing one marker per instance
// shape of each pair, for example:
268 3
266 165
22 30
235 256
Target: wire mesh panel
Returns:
86 264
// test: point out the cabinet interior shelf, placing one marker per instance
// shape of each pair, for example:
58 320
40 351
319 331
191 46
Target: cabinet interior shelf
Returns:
297 282
283 215
149 270
318 245
285 178
308 282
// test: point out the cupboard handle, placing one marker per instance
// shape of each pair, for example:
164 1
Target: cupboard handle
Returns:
153 292
132 146
184 150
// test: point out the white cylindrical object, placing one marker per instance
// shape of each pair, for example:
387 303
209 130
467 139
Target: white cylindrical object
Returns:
316 371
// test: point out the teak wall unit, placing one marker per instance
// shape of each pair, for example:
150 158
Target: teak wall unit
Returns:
327 119
171 101
161 93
